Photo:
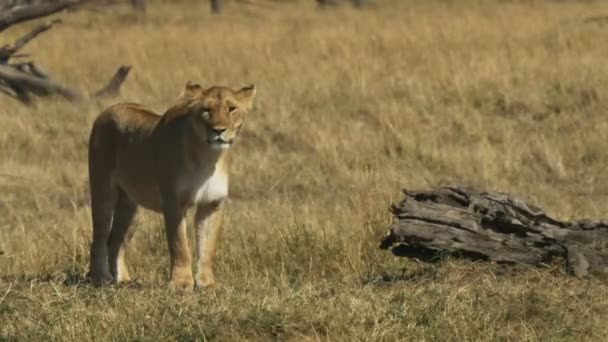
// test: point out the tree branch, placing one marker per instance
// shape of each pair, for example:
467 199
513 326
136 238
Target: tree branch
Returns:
112 89
18 80
21 13
7 52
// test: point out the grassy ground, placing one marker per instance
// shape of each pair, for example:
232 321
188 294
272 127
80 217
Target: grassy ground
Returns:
352 107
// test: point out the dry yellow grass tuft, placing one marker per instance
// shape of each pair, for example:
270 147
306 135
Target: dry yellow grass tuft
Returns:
352 107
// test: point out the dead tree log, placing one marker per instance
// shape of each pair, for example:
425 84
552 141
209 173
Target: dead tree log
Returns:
24 80
493 226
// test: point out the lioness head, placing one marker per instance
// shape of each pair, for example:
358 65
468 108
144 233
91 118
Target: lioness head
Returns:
218 112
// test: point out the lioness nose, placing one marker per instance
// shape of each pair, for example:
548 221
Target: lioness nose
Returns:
219 131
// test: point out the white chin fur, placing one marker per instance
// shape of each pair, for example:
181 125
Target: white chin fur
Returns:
220 146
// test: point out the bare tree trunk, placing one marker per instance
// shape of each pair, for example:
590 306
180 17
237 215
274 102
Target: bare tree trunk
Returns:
139 5
493 226
216 6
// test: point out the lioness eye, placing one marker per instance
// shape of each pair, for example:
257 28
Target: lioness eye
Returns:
206 113
231 109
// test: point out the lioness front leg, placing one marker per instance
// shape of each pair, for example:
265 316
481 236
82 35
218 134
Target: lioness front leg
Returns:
181 263
207 221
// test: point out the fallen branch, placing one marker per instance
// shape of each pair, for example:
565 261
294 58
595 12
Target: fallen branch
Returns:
493 226
23 79
25 12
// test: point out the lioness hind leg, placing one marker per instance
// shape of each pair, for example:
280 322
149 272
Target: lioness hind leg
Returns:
103 201
207 222
124 211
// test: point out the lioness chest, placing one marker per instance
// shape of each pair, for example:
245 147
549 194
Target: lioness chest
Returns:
203 187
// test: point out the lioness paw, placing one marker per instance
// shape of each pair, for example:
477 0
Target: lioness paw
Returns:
181 281
101 279
206 283
181 285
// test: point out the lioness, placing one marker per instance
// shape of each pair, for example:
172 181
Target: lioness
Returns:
168 164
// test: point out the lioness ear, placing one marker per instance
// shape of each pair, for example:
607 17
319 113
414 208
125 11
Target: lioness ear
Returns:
245 95
190 90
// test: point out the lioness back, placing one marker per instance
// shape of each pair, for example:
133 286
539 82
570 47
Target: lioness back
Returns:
120 121
118 151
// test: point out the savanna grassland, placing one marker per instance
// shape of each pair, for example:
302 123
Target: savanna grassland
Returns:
352 107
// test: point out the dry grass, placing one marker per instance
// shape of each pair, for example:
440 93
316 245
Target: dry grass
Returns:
352 107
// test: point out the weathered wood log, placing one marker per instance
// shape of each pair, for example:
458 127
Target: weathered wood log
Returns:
493 226
26 11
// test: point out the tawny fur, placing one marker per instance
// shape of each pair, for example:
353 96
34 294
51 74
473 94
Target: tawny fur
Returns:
166 163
